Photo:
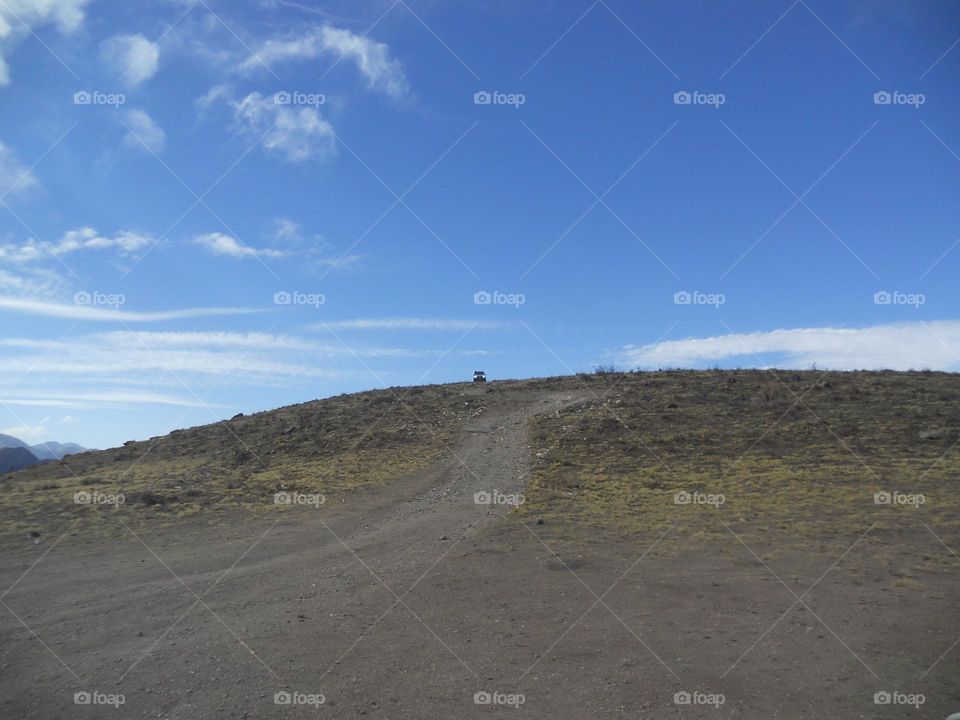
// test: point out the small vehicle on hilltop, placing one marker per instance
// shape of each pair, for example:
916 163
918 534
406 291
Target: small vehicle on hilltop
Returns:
479 376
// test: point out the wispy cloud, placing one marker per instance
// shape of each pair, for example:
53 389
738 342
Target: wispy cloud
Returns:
101 314
382 72
19 17
221 244
245 340
15 177
133 58
32 282
906 346
143 132
297 134
126 242
409 324
27 433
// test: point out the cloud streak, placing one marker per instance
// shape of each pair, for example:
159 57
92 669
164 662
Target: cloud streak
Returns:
226 245
408 324
100 314
902 346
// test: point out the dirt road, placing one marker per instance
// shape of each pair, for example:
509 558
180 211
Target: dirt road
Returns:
427 598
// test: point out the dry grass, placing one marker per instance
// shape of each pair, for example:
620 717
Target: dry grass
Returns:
326 447
798 454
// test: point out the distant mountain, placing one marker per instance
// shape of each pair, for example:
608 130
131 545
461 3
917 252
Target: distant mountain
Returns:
52 450
16 458
42 452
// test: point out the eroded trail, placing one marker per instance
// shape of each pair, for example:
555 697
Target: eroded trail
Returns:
490 463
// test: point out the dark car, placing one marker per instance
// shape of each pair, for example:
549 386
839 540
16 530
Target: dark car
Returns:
479 376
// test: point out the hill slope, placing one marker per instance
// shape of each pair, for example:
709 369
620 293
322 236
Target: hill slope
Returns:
326 446
800 450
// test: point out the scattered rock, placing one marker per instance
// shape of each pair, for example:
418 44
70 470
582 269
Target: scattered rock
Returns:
443 537
935 434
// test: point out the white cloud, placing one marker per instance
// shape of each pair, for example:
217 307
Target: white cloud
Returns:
142 132
69 420
30 434
19 17
32 282
101 314
134 58
372 59
14 176
210 98
906 346
409 324
287 230
298 134
126 242
220 244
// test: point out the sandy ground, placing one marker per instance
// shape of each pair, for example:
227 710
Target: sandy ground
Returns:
414 601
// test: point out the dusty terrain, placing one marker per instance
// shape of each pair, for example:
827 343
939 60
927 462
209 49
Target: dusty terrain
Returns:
795 595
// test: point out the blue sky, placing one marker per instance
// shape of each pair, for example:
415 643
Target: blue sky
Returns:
217 207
